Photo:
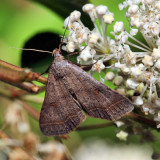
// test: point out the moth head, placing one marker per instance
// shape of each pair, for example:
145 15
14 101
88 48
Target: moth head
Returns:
57 54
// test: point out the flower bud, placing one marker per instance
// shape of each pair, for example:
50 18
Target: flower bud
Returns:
147 60
70 47
98 66
125 69
140 88
121 91
130 93
118 27
119 123
87 54
133 9
101 10
109 76
93 38
130 83
137 100
108 18
136 71
118 80
75 16
156 53
122 135
121 6
88 8
133 32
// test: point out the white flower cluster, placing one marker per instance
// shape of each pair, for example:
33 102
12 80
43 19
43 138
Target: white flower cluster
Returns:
141 67
94 45
138 70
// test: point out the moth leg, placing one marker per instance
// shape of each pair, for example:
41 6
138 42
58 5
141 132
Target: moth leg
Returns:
74 53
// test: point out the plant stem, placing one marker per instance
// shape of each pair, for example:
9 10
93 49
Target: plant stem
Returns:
12 74
142 119
95 126
33 112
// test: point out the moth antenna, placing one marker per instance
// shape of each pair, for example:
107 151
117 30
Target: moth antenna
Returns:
36 50
65 30
60 45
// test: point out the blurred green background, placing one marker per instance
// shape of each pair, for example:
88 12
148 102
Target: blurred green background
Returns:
20 20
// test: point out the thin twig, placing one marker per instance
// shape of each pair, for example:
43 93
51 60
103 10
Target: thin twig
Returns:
10 66
142 119
25 89
12 74
33 98
33 112
29 87
133 115
95 126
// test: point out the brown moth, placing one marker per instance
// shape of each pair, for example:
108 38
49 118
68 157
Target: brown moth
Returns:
69 91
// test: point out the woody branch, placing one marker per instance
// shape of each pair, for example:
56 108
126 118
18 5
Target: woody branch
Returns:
22 78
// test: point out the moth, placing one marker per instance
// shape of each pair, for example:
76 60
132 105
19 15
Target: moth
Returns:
69 92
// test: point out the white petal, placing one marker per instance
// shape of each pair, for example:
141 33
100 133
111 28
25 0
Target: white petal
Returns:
101 10
131 83
137 100
87 8
118 27
75 15
108 18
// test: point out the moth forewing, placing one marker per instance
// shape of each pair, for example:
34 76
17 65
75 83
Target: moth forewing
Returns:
69 84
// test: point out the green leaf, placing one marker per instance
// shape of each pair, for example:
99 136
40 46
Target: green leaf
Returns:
65 7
